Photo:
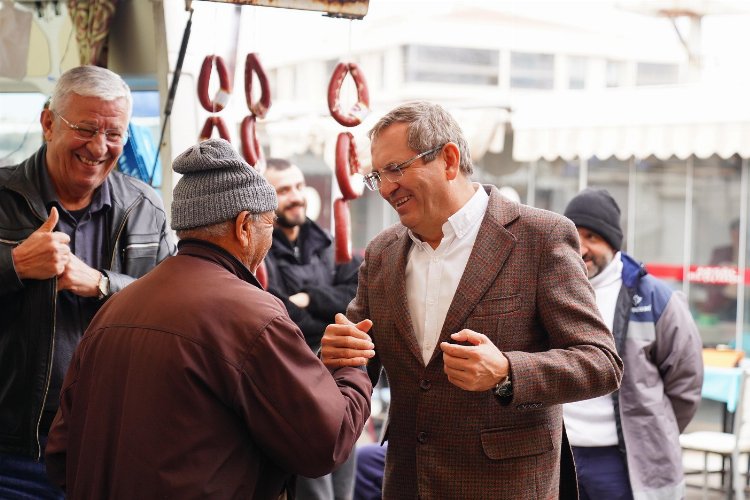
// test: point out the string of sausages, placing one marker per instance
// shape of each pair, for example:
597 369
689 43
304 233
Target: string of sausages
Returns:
251 149
350 180
220 100
250 145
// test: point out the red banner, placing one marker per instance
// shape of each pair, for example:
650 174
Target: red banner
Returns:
709 275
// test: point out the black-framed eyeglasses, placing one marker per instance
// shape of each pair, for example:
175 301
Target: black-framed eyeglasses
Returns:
373 180
87 132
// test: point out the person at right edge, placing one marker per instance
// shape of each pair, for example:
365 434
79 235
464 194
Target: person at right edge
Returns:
626 444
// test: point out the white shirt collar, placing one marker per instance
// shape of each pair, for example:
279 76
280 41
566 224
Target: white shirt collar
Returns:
460 224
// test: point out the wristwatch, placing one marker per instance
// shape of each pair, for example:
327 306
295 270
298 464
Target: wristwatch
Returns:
103 286
504 388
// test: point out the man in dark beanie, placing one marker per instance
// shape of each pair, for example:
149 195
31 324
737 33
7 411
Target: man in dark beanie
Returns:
626 444
190 382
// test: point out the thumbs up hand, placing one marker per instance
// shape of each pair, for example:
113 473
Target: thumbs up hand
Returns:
44 253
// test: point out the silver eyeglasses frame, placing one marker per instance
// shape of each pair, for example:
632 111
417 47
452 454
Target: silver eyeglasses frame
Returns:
373 180
88 132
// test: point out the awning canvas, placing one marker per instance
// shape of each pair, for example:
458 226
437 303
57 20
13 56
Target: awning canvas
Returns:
634 122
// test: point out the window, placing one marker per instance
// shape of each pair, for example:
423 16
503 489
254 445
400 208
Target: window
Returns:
657 74
424 63
616 73
532 71
577 70
20 131
555 183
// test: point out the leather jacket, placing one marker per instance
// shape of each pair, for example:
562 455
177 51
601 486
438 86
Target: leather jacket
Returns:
139 238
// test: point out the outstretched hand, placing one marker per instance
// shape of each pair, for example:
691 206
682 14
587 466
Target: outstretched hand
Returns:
45 253
346 344
478 365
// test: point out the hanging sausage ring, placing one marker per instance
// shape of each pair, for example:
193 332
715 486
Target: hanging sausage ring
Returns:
221 98
251 149
261 274
351 182
214 122
359 110
260 107
342 233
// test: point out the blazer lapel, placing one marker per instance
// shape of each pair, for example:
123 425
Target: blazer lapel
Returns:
491 249
396 290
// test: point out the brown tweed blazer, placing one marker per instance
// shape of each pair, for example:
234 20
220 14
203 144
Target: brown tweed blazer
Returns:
525 288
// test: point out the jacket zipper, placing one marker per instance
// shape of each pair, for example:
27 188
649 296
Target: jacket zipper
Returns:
49 371
11 242
52 343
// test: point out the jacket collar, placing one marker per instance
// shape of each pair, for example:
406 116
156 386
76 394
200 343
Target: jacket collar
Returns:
311 236
216 254
492 247
632 270
25 181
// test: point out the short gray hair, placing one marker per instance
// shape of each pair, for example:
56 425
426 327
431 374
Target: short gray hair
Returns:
91 81
429 126
213 232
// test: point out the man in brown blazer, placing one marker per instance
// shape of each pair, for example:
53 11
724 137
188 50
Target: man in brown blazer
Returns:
482 316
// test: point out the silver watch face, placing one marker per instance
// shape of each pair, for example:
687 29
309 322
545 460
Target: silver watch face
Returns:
505 388
104 285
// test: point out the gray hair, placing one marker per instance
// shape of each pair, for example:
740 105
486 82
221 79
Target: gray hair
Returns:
91 81
213 232
429 126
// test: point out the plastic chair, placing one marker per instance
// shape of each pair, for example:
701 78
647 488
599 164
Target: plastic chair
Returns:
728 445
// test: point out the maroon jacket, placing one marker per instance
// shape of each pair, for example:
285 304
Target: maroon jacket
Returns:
194 383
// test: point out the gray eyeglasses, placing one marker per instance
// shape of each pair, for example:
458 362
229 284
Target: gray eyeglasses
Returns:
394 172
87 132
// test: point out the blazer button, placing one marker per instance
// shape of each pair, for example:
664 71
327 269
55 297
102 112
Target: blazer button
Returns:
422 437
425 384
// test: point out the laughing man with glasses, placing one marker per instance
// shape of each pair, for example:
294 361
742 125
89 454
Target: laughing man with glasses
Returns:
482 316
72 233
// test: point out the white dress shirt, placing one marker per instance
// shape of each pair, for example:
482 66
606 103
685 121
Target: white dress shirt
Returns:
432 276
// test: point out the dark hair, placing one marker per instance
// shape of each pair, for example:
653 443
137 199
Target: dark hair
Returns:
278 164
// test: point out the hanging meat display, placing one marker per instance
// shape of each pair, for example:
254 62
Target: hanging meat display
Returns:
220 99
342 232
354 115
350 180
260 107
214 122
251 148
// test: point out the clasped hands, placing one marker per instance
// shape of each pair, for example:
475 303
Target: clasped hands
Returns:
45 253
476 366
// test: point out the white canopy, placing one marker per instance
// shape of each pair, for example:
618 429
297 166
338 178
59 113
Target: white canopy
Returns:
633 122
484 128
